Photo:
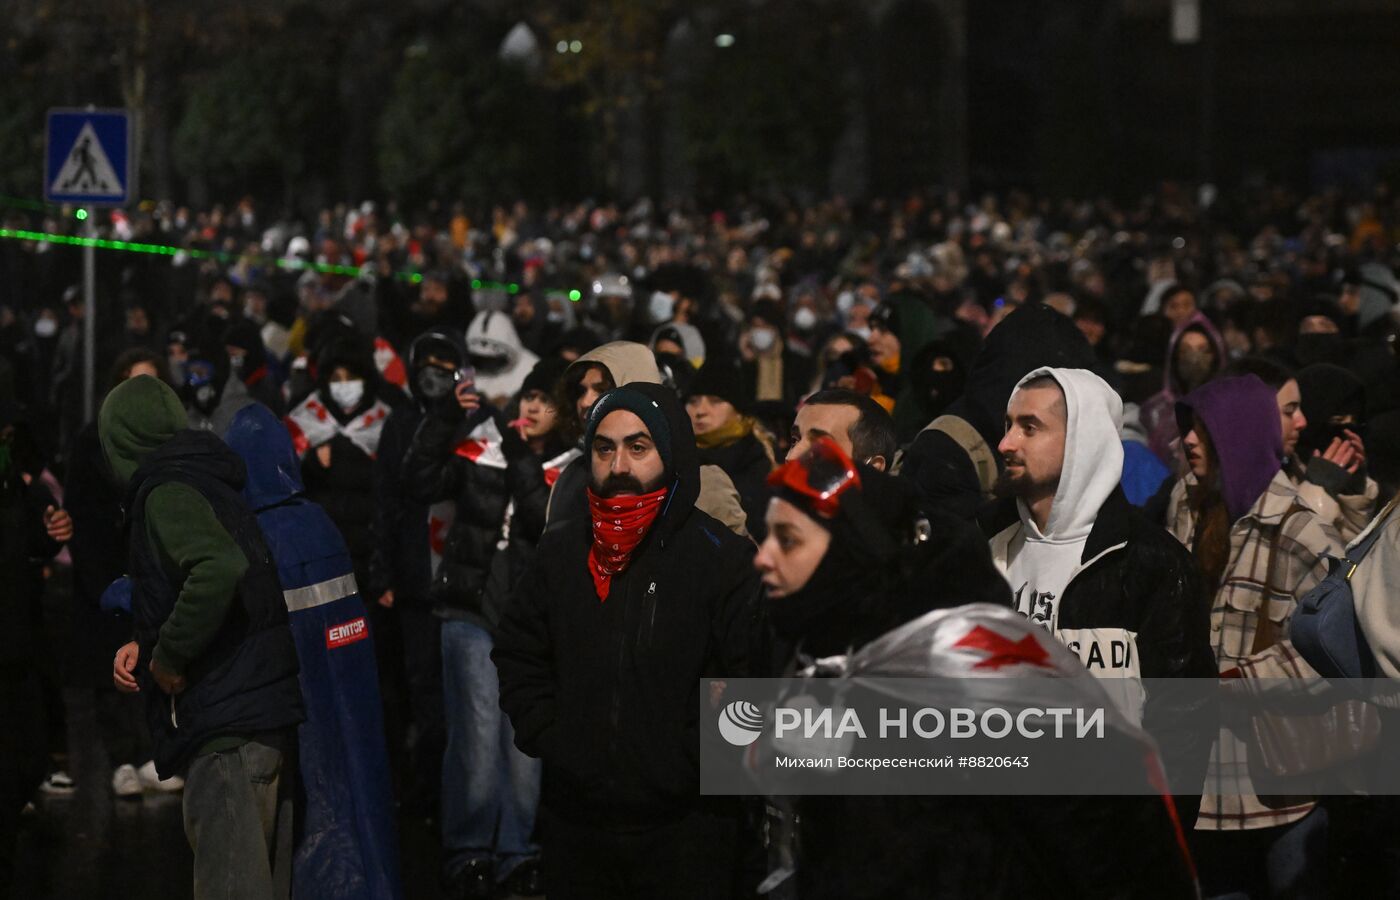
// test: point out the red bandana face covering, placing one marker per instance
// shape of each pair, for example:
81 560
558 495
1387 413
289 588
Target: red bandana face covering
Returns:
619 524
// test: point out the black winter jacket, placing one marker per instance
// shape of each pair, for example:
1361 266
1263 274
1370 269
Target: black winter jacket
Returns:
747 465
1140 579
400 561
605 692
345 490
433 470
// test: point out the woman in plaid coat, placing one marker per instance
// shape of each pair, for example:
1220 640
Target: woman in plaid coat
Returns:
1260 550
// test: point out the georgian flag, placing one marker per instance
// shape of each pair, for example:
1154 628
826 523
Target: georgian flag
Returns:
390 364
311 425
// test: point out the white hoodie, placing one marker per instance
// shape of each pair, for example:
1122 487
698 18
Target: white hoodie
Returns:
492 334
1039 565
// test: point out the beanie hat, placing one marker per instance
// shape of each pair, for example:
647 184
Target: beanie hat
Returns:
545 375
722 378
645 408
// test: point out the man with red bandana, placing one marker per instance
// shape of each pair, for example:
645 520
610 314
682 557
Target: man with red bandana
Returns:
602 652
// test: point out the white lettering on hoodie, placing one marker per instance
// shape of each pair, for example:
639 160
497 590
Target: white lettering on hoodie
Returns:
1040 565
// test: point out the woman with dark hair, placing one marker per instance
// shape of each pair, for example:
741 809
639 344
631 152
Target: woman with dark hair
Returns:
1260 550
1322 411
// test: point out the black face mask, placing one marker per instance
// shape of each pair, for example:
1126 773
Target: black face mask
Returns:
434 383
489 365
942 388
205 398
202 388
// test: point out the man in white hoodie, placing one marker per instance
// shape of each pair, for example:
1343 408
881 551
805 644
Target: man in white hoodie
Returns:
1085 565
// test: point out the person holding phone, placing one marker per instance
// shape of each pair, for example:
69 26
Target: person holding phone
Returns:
486 476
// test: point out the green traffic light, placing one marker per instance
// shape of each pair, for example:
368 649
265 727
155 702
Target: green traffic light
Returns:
81 214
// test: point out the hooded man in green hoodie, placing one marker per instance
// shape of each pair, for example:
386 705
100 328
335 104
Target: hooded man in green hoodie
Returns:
213 652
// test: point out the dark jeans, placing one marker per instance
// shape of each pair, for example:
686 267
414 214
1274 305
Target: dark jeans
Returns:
238 818
422 658
1287 861
693 858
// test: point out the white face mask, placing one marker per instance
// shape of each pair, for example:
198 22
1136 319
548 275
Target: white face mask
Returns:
660 307
804 319
46 328
348 394
762 339
844 301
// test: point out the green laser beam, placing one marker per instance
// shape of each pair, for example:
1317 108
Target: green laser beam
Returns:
20 234
68 240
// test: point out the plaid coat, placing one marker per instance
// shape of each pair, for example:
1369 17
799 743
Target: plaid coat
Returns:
1350 513
1234 619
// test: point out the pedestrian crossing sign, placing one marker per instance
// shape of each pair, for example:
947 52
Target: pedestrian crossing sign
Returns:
88 157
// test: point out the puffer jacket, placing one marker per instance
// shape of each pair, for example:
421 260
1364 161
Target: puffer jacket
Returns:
485 469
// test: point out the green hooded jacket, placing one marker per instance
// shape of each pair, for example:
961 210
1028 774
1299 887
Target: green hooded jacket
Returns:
137 418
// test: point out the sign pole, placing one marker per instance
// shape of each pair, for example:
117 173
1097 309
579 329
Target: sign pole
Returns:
89 320
88 163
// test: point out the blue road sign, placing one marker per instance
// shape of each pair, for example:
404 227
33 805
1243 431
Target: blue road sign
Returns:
88 157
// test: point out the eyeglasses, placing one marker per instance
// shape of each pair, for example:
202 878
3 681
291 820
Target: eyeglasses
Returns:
821 475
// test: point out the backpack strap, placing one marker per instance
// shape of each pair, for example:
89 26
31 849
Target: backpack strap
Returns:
970 439
1358 553
1264 634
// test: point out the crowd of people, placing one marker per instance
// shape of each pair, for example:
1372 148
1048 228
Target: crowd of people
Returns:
458 509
